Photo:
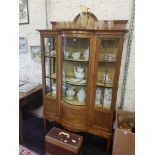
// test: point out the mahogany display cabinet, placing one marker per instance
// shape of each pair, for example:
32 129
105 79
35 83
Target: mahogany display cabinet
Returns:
80 74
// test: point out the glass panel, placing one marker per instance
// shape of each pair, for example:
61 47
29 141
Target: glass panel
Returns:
105 72
108 50
50 65
75 55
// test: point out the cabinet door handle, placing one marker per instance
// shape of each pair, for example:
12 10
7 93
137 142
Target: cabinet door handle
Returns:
63 133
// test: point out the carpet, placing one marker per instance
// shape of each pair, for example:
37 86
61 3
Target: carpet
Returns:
25 151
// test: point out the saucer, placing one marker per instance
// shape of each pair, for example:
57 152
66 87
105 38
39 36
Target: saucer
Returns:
70 98
83 81
73 80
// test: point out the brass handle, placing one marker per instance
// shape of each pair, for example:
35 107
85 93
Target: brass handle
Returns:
63 133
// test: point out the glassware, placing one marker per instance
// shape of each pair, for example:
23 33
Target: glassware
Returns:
70 93
81 95
107 98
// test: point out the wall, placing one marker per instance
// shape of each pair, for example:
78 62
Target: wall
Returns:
29 69
130 85
60 10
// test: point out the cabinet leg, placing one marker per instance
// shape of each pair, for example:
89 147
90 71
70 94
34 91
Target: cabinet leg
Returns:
108 146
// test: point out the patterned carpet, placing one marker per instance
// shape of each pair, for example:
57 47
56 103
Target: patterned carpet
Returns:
25 151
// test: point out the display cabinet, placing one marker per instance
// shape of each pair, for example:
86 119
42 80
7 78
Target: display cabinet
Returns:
80 72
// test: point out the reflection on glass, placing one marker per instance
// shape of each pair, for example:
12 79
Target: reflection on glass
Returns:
106 72
50 66
75 55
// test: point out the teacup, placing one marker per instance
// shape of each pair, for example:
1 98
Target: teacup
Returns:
76 55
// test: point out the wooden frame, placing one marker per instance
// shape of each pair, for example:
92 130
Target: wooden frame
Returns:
81 118
23 12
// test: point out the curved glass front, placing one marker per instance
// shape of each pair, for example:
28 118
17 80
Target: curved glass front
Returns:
75 62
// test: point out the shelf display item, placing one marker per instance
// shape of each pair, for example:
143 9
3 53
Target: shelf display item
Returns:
66 54
76 55
79 72
107 97
98 96
70 93
106 78
109 57
81 95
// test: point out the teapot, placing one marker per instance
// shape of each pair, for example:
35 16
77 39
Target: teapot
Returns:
70 93
79 72
81 95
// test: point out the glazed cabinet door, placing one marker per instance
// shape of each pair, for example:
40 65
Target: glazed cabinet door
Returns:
106 71
76 60
49 69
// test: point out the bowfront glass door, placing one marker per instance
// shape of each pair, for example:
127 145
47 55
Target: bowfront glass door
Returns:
107 57
75 62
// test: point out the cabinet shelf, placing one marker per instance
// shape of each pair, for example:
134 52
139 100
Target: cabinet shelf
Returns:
101 84
78 83
76 60
105 61
73 101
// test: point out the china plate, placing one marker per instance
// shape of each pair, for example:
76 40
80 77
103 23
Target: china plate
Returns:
82 82
75 80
